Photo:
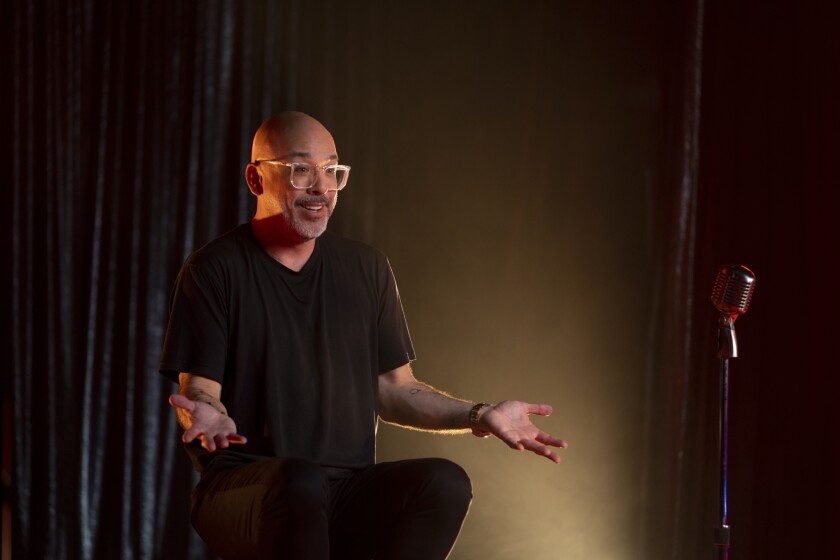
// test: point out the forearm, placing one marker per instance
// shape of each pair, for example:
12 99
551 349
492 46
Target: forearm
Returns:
411 403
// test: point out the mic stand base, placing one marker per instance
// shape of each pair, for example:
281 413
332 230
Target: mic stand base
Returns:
722 541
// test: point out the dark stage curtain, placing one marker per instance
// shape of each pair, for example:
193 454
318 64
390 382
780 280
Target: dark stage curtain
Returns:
127 125
768 197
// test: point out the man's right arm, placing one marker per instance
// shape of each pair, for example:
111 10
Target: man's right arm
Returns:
201 413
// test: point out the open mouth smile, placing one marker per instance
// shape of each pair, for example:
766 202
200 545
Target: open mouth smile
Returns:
314 206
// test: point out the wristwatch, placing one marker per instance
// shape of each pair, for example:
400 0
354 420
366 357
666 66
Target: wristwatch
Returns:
475 414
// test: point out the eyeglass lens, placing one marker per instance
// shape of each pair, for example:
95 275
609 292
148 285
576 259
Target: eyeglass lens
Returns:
304 176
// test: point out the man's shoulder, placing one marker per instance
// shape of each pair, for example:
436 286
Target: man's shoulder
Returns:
228 247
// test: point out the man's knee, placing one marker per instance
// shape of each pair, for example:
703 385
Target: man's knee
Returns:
447 482
427 521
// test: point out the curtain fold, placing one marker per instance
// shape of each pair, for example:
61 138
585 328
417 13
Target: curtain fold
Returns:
682 461
678 487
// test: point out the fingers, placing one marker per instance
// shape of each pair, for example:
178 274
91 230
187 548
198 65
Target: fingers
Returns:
539 409
534 447
212 443
225 441
538 445
190 434
549 439
542 450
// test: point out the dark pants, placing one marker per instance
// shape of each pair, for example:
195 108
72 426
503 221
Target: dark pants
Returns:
294 509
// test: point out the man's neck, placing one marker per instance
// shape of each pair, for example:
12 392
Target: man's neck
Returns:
281 243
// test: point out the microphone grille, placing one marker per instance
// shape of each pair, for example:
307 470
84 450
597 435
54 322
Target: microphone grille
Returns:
733 289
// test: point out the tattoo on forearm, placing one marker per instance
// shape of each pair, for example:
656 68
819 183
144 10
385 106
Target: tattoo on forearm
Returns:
414 391
206 398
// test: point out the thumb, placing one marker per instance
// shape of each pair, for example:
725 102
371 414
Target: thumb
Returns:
180 401
539 409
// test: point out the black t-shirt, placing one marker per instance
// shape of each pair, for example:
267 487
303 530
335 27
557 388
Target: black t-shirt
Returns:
298 354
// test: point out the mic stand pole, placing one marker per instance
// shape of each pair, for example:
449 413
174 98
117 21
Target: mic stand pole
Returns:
727 348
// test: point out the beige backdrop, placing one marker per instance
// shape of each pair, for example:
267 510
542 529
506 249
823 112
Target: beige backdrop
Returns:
505 162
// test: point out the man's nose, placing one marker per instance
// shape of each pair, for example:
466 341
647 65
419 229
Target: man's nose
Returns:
318 186
321 183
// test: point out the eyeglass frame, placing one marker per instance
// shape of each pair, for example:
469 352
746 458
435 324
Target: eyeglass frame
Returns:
323 168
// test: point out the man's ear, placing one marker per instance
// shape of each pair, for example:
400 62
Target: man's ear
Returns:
254 179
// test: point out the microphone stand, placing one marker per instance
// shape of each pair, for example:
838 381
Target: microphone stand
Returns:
727 348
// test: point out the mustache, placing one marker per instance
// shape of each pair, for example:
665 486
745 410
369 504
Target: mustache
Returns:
313 200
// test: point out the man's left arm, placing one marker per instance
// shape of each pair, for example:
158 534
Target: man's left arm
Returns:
408 402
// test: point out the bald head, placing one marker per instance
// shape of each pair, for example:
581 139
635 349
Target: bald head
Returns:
290 134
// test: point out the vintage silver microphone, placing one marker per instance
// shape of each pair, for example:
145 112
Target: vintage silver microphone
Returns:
731 296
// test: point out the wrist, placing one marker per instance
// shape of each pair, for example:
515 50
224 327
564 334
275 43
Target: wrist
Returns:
476 412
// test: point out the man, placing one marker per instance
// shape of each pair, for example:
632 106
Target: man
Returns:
296 338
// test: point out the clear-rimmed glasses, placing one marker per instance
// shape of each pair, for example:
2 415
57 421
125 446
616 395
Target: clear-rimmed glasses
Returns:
304 175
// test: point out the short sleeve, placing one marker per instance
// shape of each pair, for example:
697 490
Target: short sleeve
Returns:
395 347
196 336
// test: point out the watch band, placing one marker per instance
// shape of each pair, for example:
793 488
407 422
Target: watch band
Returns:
475 413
